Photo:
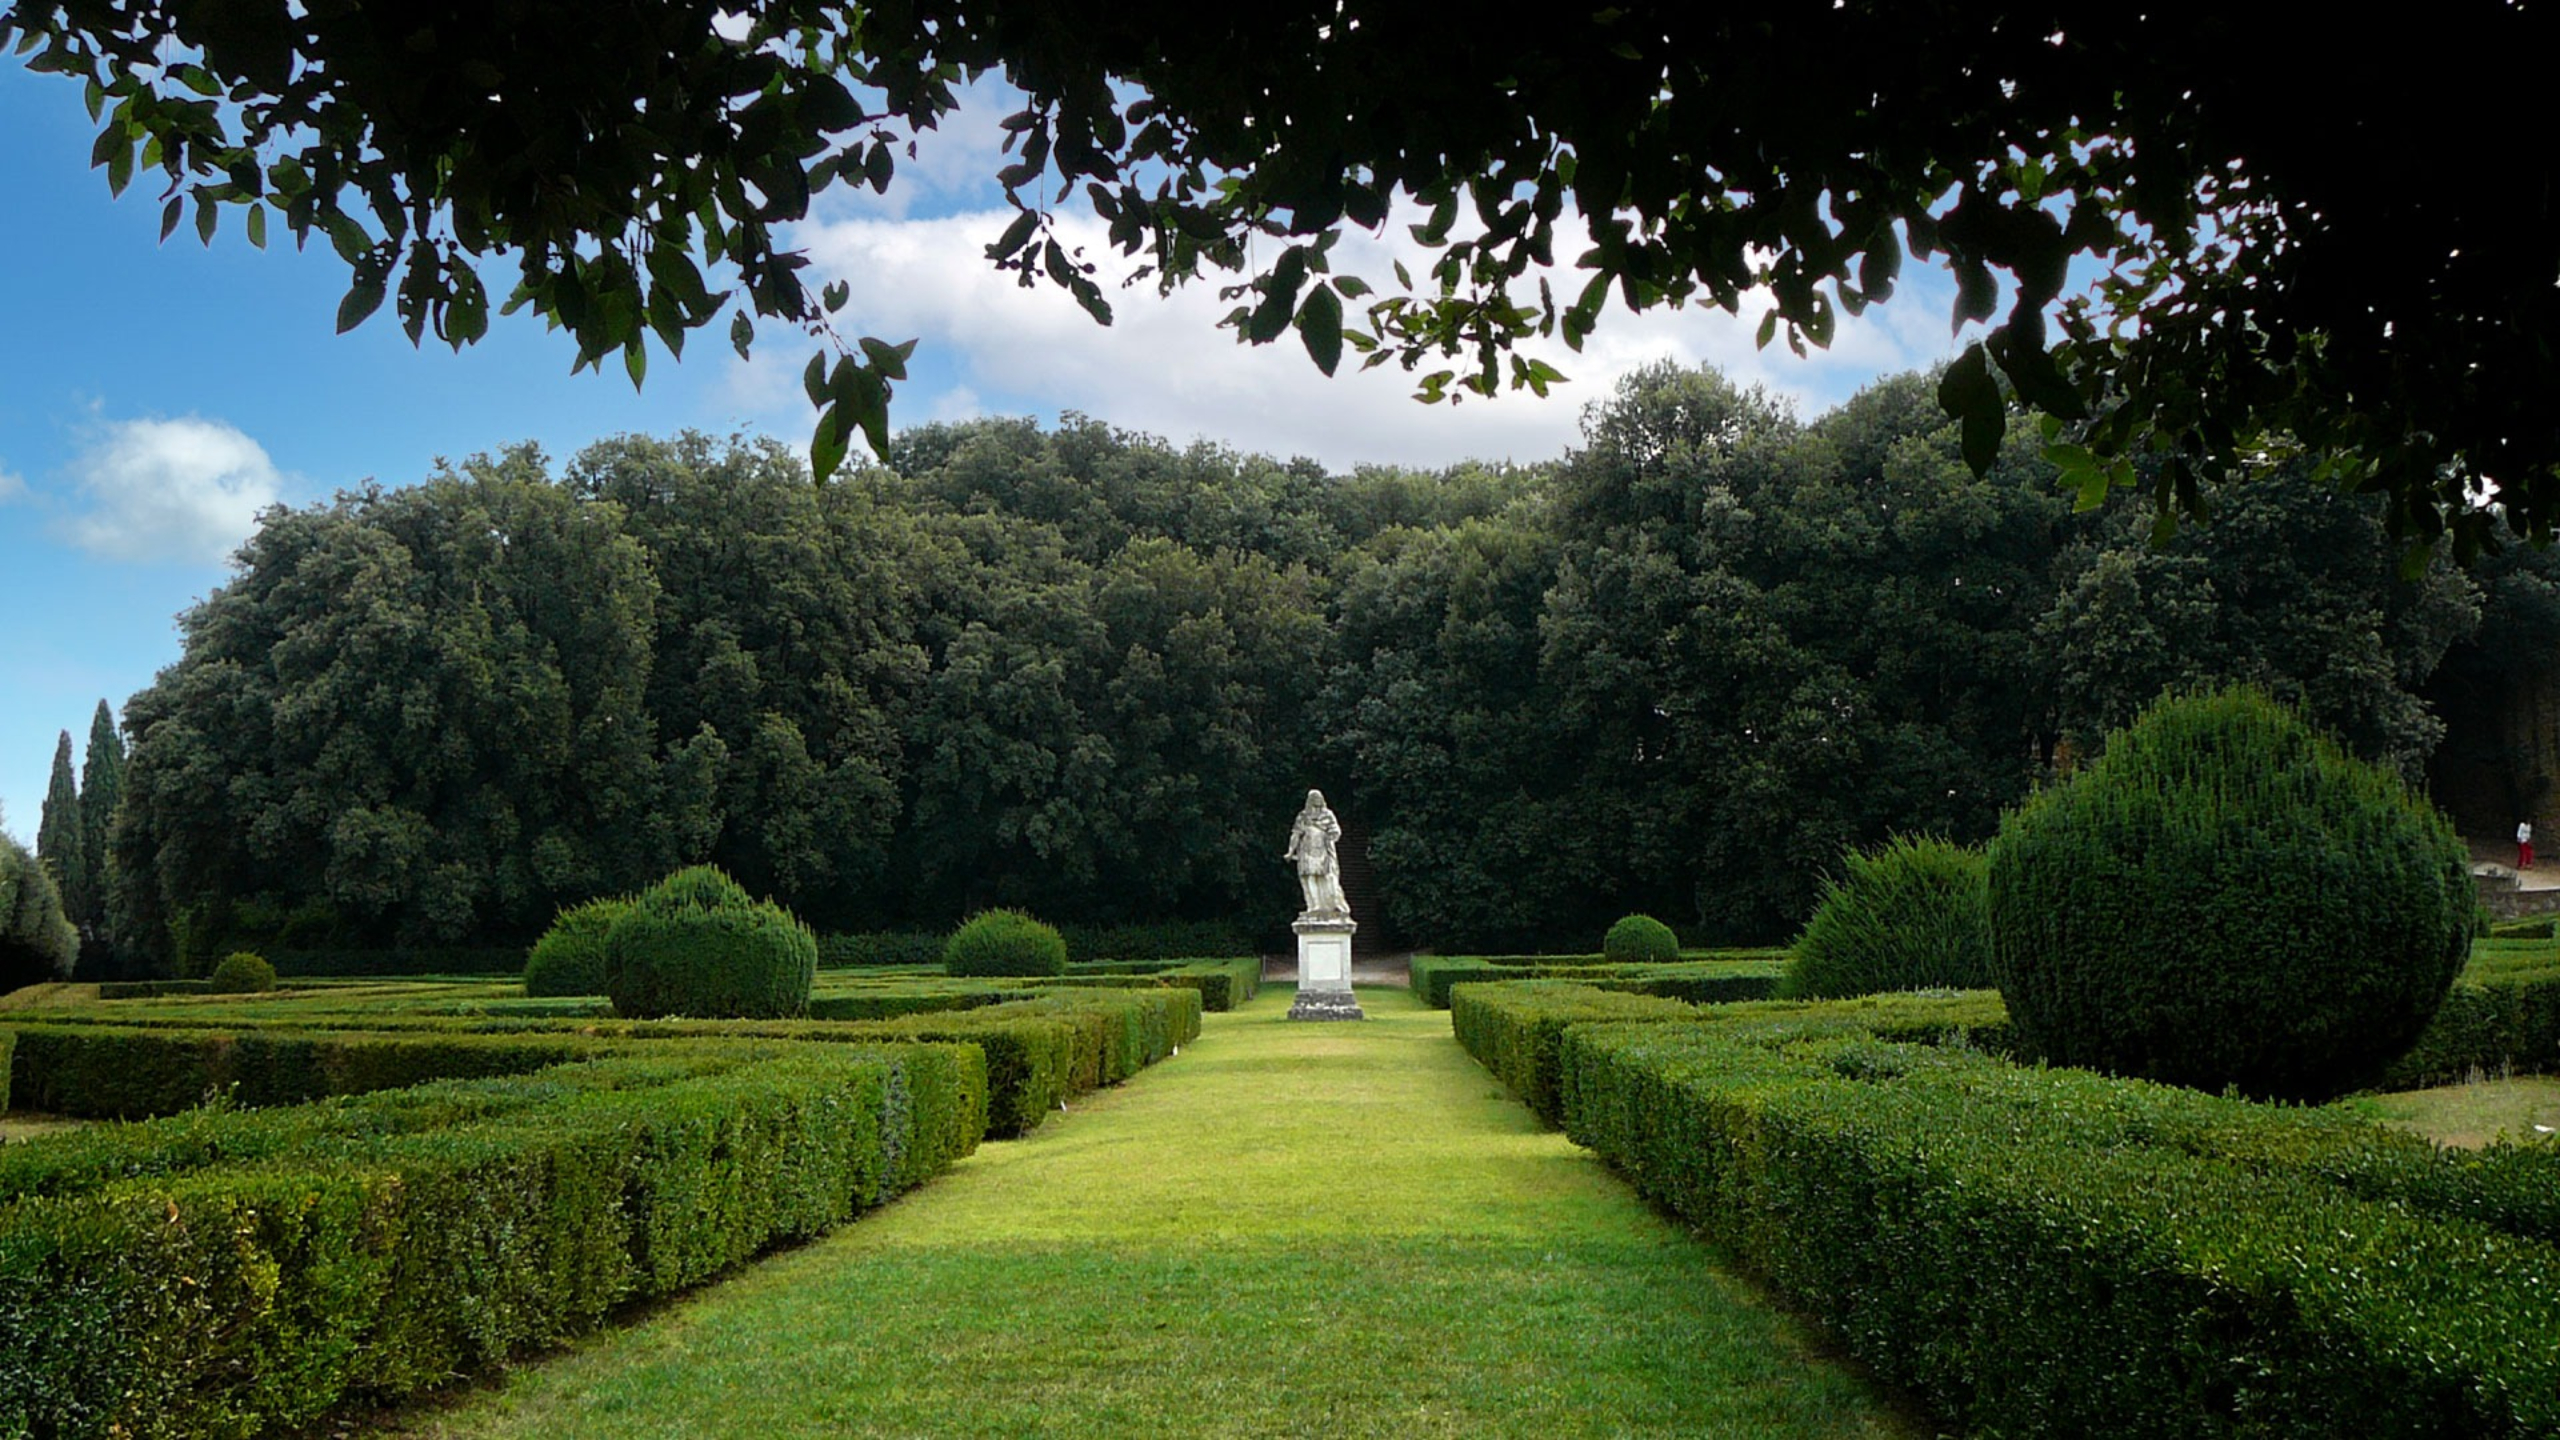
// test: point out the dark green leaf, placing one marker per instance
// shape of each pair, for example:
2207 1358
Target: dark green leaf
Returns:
1977 294
346 236
1016 235
1968 392
742 333
1320 326
363 298
890 360
827 446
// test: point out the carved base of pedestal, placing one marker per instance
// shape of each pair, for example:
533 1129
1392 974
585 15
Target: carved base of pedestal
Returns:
1326 1005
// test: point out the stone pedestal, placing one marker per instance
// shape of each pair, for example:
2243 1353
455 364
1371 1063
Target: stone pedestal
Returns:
1324 970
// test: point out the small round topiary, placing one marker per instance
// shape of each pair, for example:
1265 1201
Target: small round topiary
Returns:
242 973
1908 915
697 944
2225 898
1004 942
1640 937
569 958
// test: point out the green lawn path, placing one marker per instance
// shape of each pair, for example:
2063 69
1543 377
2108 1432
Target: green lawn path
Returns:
1336 1230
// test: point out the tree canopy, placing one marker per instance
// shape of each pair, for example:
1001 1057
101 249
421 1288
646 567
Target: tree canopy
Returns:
2353 254
1084 673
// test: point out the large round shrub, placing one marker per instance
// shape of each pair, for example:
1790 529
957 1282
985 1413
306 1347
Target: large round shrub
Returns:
1908 915
569 958
1004 942
2226 899
1639 937
697 944
242 973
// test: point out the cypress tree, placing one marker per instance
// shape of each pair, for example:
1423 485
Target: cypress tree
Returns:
61 843
101 790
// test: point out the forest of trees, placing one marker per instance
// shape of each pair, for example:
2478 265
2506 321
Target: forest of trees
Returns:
1087 673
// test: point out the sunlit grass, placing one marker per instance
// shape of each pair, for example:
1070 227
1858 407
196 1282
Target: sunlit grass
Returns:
1341 1229
2524 1108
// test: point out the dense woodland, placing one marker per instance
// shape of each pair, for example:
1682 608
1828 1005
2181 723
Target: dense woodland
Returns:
1088 673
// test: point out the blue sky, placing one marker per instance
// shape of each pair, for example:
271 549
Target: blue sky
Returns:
153 397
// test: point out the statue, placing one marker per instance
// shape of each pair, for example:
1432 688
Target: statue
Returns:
1312 842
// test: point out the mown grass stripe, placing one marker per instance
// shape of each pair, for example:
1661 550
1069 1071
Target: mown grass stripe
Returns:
1290 1229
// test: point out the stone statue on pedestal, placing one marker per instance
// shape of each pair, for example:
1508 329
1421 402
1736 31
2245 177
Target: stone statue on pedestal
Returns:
1325 926
1313 842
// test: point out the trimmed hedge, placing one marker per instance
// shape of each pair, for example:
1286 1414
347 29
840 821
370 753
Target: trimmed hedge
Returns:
1004 944
697 944
2032 1251
1223 984
1635 939
2502 1017
1700 982
890 1004
151 989
1042 1053
344 1253
241 973
1041 1050
299 962
1164 940
2225 897
1513 1030
1911 914
569 958
105 1072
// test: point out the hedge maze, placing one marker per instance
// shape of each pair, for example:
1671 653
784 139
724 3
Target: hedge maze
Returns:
2033 1250
350 1193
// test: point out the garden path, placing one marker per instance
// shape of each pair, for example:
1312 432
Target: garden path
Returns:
1289 1229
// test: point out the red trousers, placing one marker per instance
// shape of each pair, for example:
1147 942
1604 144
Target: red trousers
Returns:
2524 854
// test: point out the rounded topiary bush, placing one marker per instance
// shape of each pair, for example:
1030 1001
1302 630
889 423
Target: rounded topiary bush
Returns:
1004 942
2225 898
697 944
569 958
1640 937
242 973
1909 915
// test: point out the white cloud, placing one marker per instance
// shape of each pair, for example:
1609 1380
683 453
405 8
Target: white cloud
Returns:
1163 366
12 488
187 489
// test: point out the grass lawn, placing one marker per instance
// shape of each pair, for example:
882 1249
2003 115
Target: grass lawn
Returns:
1339 1230
2472 1115
27 1125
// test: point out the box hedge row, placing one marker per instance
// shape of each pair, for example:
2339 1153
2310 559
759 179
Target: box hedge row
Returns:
1223 984
1700 982
2502 1017
421 960
151 989
1170 940
1041 1051
286 1263
114 1073
2034 1251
